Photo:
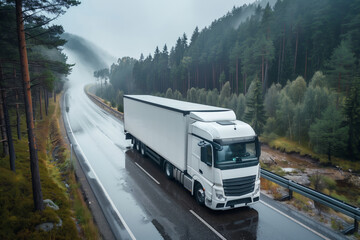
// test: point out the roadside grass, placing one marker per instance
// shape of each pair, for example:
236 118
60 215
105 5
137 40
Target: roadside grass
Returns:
17 217
83 215
271 188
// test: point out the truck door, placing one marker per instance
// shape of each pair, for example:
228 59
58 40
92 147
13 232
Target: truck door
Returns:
206 161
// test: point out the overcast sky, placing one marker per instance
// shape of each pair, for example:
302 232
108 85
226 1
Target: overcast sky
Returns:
129 28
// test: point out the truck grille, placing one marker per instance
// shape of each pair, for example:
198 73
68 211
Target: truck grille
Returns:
239 186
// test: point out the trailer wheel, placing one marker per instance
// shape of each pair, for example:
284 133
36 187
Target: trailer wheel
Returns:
137 145
199 194
143 149
169 170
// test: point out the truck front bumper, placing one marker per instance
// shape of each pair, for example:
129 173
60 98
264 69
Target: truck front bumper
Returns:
234 201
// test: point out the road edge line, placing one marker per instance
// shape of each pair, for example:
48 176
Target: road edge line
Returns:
99 182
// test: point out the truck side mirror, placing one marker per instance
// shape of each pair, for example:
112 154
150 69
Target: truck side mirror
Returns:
206 154
258 147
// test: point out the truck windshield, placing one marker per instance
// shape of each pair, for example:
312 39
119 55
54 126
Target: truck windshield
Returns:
236 155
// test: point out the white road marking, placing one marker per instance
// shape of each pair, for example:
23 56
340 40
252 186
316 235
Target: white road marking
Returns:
100 184
294 220
147 173
208 225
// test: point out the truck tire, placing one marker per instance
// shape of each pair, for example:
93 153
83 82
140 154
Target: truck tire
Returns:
143 149
137 145
169 170
199 194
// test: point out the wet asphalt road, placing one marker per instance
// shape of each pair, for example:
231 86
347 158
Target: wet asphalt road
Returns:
146 205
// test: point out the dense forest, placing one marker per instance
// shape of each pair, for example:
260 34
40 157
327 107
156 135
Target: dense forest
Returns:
290 70
32 67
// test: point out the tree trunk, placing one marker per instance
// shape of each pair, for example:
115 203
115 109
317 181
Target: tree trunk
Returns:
18 122
283 52
8 130
205 80
188 76
3 124
266 77
3 133
34 106
283 46
34 162
262 69
45 101
17 109
237 76
245 75
296 49
279 63
213 75
305 64
197 77
40 104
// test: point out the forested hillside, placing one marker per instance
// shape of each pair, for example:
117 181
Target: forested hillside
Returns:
290 70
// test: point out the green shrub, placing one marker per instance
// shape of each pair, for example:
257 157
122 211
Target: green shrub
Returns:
113 104
120 108
340 197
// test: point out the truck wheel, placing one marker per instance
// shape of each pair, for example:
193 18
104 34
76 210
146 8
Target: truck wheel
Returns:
137 145
143 149
169 170
199 194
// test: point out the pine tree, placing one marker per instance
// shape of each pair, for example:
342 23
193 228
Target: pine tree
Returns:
255 112
340 67
327 134
352 114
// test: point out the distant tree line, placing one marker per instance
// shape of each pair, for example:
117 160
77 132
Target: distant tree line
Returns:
289 70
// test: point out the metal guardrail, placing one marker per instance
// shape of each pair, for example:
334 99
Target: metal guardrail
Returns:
336 204
99 102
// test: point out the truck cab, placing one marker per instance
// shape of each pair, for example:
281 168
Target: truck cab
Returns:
223 160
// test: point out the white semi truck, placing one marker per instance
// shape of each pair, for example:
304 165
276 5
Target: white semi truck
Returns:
205 148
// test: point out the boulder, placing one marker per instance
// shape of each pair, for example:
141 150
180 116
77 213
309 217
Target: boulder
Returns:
48 226
301 179
51 204
267 158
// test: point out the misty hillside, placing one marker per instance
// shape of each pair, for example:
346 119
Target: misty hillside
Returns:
91 55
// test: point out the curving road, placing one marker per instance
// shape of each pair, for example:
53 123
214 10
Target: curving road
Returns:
138 200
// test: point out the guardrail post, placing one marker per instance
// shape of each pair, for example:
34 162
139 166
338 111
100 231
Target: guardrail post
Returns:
352 229
290 194
287 197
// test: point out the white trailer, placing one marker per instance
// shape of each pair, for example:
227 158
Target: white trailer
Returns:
205 148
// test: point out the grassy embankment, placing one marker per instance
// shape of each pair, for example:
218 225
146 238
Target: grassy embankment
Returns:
285 145
17 218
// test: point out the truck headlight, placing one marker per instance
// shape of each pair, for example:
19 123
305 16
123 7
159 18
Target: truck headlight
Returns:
219 195
256 190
